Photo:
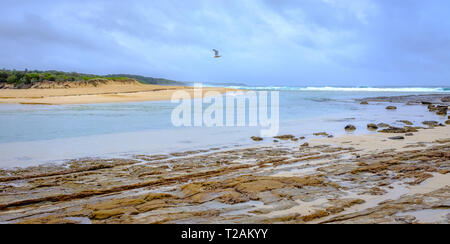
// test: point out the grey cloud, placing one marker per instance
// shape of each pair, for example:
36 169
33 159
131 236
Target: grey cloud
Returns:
326 42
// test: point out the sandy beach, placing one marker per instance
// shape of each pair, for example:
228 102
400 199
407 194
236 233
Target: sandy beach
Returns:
112 92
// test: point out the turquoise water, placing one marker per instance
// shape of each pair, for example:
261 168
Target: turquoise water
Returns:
39 122
31 134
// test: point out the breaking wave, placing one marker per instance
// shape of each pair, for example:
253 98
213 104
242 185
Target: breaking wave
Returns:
347 89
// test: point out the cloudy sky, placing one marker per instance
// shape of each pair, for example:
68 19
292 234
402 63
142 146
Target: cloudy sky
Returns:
263 42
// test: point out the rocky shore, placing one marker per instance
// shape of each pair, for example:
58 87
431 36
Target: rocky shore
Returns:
347 179
412 99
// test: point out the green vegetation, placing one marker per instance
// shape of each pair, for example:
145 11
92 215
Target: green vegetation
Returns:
150 80
21 78
25 79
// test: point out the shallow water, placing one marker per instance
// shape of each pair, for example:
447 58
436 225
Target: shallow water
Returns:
429 215
35 134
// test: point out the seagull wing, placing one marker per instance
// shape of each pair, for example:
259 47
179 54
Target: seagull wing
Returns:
216 52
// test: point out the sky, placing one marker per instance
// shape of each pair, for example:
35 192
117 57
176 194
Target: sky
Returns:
262 42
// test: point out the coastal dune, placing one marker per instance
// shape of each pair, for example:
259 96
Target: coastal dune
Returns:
95 92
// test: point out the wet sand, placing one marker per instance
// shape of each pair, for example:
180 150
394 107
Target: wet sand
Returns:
109 93
380 142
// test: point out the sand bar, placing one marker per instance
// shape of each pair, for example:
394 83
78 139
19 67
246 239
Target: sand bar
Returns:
109 93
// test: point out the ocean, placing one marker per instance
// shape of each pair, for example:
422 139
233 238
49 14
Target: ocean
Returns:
38 134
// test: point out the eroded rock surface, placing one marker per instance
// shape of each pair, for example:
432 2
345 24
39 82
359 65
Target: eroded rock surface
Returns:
282 183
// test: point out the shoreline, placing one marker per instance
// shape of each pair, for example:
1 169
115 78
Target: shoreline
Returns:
110 93
379 142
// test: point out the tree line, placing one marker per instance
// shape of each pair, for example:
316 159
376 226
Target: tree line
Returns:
19 77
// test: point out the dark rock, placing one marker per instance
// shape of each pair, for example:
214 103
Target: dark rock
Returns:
372 127
350 128
364 103
406 129
321 134
409 134
397 138
383 125
447 122
426 98
425 103
305 144
302 138
393 130
431 123
285 137
442 110
391 107
445 99
432 108
406 122
411 128
256 138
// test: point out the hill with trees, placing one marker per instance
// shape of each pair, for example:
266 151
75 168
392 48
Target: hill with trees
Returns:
26 79
150 80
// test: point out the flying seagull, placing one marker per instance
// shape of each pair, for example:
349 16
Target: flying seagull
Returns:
216 54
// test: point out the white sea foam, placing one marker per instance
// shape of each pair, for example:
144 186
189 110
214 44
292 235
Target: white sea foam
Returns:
348 89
